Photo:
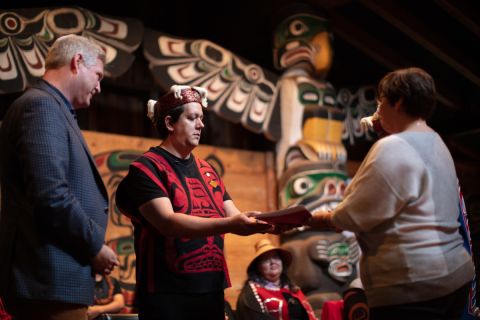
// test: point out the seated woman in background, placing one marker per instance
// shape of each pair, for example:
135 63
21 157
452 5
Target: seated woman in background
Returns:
268 293
108 297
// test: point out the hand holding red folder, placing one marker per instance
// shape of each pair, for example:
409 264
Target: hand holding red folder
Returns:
295 216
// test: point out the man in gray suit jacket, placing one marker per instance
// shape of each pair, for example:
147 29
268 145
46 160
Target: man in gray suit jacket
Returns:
54 204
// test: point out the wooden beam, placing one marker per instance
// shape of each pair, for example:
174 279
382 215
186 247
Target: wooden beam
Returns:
330 4
362 40
467 142
462 11
382 54
424 35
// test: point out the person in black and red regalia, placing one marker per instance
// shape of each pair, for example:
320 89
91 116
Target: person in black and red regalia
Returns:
268 293
180 210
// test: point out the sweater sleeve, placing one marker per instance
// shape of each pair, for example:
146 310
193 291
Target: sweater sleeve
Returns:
390 176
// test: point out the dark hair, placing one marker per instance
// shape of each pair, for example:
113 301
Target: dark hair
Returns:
174 113
254 275
415 86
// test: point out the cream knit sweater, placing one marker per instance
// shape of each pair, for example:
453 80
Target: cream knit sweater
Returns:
403 206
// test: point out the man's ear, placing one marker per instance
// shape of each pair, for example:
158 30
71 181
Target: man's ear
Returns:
399 104
75 62
168 123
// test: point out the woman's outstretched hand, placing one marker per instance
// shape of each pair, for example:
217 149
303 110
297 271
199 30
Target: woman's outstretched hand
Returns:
322 220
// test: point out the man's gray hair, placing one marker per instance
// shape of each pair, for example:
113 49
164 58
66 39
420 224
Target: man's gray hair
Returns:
65 47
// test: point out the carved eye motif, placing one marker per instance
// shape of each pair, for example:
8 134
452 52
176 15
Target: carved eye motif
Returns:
329 101
302 185
310 97
297 27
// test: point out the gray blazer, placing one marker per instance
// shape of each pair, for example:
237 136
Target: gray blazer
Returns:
54 204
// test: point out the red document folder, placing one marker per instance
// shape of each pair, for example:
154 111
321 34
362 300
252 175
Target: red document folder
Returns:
295 216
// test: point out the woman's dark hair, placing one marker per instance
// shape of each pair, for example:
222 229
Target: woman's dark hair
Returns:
415 86
174 113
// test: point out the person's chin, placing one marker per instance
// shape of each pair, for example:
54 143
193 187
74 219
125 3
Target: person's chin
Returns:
192 144
87 101
81 105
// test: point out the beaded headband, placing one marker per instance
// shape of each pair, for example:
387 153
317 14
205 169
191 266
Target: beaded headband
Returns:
177 96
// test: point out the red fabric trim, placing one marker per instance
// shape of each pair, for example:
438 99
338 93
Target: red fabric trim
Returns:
3 312
205 171
275 304
169 101
147 171
332 310
202 165
130 216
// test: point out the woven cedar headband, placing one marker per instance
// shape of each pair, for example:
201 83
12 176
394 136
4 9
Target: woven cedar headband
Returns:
177 96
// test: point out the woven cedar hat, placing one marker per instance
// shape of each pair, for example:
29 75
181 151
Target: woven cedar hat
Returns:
264 246
176 96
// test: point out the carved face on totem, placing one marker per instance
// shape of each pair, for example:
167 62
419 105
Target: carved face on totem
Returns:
303 38
317 185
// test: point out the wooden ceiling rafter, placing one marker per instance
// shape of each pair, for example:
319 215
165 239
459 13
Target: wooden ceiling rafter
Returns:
330 4
461 10
382 54
421 33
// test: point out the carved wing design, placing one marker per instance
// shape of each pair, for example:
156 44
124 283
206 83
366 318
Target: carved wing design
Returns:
357 103
26 35
239 91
